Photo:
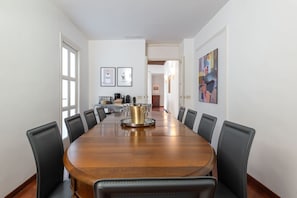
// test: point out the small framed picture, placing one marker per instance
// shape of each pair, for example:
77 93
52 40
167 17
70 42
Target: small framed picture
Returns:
107 76
156 89
124 76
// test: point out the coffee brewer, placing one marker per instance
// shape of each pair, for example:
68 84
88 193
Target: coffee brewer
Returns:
117 96
128 99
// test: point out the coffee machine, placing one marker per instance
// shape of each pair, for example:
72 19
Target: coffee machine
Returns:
117 96
127 99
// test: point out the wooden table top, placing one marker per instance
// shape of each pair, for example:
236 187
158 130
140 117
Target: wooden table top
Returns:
168 149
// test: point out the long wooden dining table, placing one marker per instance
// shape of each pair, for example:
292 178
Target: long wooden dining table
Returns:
109 150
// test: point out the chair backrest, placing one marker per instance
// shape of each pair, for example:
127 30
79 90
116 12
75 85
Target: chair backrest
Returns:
47 147
181 113
186 187
101 113
232 156
74 126
206 126
90 118
190 118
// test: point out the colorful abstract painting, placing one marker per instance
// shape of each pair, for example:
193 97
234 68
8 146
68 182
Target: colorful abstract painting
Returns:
208 77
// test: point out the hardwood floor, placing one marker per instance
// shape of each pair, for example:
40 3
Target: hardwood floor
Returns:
29 191
254 188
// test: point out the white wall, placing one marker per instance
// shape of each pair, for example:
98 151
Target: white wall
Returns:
171 100
30 80
156 69
189 79
261 79
165 51
117 53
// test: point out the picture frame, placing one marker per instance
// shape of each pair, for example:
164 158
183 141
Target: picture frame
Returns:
156 89
107 76
208 77
124 76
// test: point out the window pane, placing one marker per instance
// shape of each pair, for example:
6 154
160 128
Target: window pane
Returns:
64 129
69 83
64 62
72 65
72 112
65 93
72 93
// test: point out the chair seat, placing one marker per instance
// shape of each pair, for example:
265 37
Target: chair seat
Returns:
223 192
62 191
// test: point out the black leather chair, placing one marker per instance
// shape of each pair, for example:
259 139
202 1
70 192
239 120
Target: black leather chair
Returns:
47 147
206 126
190 118
101 113
90 118
232 157
185 187
74 126
181 113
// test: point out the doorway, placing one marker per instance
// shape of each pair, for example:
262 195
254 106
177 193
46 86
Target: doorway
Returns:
164 86
155 85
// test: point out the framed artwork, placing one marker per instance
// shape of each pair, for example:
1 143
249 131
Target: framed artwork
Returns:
156 89
125 76
107 76
208 77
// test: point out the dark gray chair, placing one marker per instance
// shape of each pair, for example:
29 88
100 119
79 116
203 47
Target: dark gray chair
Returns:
181 113
47 147
90 118
74 126
206 126
190 118
232 157
185 187
101 113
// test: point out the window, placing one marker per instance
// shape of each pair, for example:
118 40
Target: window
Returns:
69 84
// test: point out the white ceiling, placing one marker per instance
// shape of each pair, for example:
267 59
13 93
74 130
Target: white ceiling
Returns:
156 21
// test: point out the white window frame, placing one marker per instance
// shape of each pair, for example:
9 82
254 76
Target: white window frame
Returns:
65 43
